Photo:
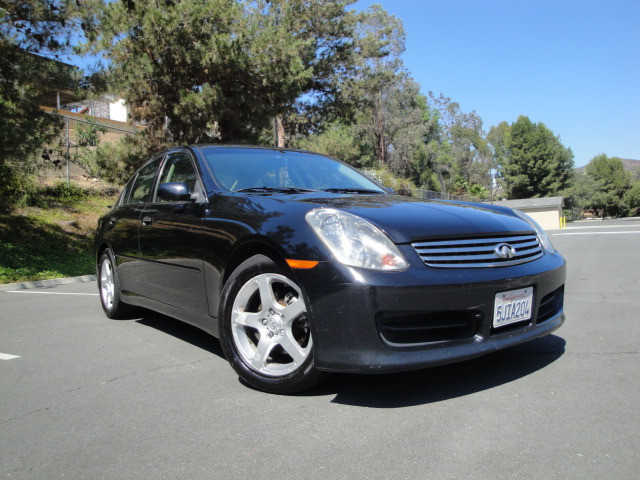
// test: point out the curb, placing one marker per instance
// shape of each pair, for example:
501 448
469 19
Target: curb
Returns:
47 283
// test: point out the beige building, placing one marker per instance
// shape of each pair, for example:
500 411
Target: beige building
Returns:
547 211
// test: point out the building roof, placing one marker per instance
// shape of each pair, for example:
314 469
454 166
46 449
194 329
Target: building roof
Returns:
531 203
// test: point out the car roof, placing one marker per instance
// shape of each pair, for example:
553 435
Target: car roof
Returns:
252 147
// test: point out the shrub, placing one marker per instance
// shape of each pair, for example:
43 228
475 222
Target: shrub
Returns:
401 186
15 189
117 161
65 194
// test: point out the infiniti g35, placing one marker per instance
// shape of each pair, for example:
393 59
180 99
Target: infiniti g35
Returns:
301 265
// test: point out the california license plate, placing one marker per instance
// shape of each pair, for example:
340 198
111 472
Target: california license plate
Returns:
512 307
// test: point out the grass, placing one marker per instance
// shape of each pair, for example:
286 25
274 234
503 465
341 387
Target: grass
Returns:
52 240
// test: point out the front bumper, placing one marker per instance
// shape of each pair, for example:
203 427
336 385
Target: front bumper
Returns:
353 310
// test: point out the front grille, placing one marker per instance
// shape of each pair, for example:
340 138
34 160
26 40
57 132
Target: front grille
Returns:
402 328
478 252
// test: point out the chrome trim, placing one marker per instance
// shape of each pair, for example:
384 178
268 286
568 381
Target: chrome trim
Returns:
504 250
478 252
486 240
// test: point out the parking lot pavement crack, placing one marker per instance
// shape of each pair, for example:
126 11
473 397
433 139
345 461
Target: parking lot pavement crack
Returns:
161 367
631 287
25 415
177 365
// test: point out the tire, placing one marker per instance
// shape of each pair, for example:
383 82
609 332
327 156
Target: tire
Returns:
264 328
109 288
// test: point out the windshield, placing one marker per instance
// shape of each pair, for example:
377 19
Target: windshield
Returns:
251 169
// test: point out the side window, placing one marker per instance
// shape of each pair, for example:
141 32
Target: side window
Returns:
143 183
126 192
179 168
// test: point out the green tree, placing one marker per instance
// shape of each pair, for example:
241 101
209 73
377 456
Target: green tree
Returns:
613 183
579 196
32 33
219 70
534 162
462 155
394 128
385 119
497 140
337 141
632 199
380 74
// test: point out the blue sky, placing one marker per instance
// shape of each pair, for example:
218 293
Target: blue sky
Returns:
573 65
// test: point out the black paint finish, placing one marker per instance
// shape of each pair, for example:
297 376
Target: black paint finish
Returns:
174 257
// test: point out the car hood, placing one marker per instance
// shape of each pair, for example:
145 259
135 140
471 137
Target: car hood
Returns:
407 220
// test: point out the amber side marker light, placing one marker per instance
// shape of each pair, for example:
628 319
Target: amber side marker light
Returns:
301 263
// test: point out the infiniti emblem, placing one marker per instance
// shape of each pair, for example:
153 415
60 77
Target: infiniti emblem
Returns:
504 250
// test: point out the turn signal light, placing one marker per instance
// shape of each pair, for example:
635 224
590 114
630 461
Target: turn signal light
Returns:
301 263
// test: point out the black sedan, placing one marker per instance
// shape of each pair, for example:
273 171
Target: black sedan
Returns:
301 265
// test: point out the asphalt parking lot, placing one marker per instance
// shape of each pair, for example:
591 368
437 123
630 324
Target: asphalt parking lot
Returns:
82 396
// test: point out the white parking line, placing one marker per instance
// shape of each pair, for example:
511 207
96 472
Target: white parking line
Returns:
52 293
593 233
7 356
586 227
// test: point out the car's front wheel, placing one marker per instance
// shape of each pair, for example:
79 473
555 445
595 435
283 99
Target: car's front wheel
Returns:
264 328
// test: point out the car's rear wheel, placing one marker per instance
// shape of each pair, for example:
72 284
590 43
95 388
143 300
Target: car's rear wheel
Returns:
264 328
109 287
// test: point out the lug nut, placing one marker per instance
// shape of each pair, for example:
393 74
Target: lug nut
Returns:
272 311
264 321
269 334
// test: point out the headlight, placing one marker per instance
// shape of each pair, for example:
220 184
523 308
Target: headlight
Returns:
544 238
355 242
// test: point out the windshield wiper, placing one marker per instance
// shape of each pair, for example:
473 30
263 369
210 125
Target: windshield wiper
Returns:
351 190
276 189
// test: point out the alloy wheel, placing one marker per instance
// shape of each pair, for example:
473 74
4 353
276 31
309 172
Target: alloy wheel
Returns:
269 325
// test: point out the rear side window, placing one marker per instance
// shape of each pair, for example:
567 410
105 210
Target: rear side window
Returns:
124 196
141 188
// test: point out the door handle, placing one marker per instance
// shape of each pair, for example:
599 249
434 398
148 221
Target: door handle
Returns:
147 221
112 221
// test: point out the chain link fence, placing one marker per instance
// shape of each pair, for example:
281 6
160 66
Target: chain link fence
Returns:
432 195
72 159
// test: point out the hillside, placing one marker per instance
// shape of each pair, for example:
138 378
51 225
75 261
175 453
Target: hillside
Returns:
630 165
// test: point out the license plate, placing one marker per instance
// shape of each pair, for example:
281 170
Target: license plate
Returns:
512 307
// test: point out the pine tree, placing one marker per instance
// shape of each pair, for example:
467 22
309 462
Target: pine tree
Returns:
536 164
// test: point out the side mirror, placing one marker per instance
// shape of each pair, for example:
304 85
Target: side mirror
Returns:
389 190
174 192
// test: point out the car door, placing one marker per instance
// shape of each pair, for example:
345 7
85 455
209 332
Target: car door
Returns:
171 240
124 224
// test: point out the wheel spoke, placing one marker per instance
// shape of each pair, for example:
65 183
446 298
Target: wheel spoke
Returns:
294 310
295 351
248 319
263 350
267 298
